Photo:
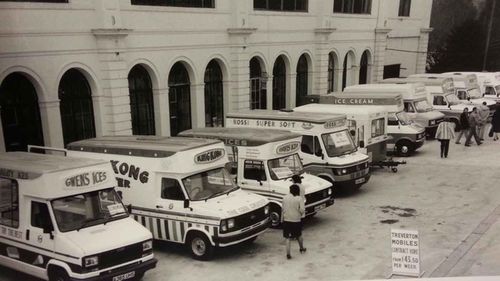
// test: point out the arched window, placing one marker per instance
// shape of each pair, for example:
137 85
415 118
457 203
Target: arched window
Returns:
258 85
348 71
279 84
331 72
302 80
141 101
179 89
214 96
77 111
363 68
20 113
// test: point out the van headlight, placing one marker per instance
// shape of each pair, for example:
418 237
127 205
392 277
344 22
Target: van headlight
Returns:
90 261
266 210
226 225
432 122
330 191
344 171
147 246
230 223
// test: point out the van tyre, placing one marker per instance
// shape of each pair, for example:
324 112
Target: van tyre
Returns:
58 274
275 215
200 247
404 148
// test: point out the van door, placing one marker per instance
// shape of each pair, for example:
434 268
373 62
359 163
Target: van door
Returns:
39 232
311 150
253 177
440 103
171 207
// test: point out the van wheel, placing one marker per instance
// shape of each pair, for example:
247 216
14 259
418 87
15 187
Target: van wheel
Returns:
58 274
404 148
139 276
275 216
200 247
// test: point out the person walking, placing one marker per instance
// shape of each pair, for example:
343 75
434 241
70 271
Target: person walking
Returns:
464 125
495 123
483 113
444 133
291 216
473 123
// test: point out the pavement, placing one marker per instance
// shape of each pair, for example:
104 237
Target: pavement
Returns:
452 202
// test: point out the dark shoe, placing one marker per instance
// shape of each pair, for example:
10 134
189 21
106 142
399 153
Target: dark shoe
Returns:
467 145
457 142
303 250
481 139
479 143
288 257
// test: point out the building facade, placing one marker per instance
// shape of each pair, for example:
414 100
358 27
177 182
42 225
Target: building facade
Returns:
74 69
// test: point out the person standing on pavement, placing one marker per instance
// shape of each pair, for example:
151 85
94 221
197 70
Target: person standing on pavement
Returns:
483 113
444 133
297 180
464 125
473 123
495 123
291 216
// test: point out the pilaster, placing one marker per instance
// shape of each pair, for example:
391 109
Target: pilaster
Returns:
379 53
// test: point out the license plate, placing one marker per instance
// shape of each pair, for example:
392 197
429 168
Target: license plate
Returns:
358 181
126 276
319 207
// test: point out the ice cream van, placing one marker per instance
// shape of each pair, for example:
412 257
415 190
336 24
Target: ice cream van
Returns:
61 219
441 95
489 83
327 148
415 102
179 189
263 162
466 88
368 125
406 135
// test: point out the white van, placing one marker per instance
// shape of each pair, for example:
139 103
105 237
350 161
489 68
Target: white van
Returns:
368 125
406 136
415 102
489 83
327 149
441 95
179 189
466 88
61 219
264 161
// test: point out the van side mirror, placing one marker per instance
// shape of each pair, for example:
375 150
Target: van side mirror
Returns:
48 229
319 153
353 132
361 144
186 203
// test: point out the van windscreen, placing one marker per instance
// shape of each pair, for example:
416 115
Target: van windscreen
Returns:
87 209
209 184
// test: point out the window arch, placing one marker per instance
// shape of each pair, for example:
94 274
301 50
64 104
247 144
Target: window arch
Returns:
258 85
77 110
214 95
179 89
279 83
302 81
141 101
364 67
20 113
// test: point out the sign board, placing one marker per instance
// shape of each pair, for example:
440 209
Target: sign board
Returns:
340 139
209 156
405 245
288 148
332 99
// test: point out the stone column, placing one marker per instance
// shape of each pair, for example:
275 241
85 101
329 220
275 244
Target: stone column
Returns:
320 71
379 53
198 105
162 112
423 43
291 97
239 98
112 107
50 115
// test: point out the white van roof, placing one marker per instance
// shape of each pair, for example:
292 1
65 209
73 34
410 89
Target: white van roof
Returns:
144 146
430 80
315 118
244 136
389 87
27 166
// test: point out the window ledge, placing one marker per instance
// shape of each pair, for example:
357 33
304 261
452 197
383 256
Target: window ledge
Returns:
241 31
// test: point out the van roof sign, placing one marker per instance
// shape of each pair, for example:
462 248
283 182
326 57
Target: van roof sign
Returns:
28 166
209 156
143 146
241 136
261 114
361 99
